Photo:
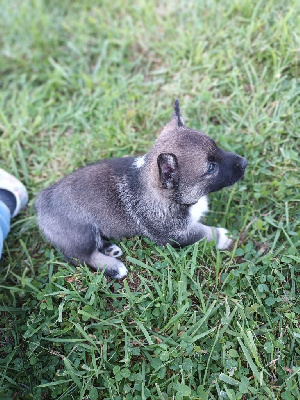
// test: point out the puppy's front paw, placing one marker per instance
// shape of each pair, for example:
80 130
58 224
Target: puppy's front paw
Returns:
118 271
223 241
113 251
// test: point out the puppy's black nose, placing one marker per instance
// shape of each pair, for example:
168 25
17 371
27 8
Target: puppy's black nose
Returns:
243 163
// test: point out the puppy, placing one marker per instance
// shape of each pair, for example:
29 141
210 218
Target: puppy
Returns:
161 195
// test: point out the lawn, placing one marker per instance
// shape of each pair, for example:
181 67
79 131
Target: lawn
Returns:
84 80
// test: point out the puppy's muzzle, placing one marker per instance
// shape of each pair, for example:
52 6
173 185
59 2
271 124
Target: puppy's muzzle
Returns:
239 167
243 162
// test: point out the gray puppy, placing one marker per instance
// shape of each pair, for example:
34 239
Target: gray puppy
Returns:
161 195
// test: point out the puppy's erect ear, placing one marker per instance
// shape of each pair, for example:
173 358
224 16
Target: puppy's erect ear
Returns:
176 115
176 120
168 170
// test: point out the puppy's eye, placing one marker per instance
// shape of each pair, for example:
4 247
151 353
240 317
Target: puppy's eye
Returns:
211 167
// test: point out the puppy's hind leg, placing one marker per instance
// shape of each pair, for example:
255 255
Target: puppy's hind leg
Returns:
105 247
110 249
79 243
113 268
97 260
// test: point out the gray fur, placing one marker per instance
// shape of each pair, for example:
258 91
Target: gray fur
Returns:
150 196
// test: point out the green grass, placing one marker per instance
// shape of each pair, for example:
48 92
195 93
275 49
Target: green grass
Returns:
80 81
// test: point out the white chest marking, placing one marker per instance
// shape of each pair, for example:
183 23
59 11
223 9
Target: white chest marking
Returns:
139 161
198 210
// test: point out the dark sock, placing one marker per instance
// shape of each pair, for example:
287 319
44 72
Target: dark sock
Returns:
8 199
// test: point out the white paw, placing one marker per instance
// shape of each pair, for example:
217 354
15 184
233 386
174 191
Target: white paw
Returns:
122 271
223 240
113 251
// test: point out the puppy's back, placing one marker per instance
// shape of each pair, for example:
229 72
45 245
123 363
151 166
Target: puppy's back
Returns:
87 197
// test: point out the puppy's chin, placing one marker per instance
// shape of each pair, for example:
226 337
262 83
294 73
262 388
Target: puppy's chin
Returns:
222 183
241 177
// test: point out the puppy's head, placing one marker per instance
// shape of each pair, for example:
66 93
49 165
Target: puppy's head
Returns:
187 164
